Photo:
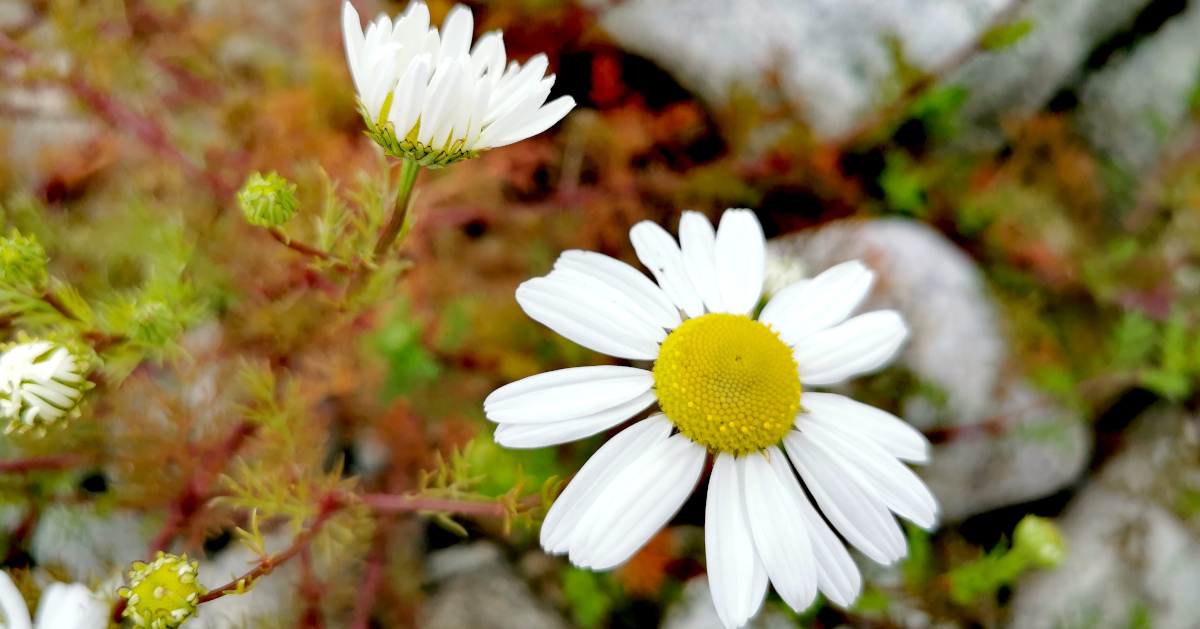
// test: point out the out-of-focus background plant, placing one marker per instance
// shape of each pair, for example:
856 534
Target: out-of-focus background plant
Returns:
1025 175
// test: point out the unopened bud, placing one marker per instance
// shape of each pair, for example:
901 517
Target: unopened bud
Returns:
1039 541
22 262
268 201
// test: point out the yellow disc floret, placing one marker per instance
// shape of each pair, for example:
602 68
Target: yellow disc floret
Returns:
728 383
162 594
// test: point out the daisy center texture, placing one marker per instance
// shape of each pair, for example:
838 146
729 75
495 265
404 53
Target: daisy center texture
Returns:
728 383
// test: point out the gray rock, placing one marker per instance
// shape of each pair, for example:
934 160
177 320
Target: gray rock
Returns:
478 589
959 354
695 610
1019 80
832 57
87 545
272 598
1132 109
1130 554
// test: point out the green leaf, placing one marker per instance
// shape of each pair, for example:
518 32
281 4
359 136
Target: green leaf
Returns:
584 592
1005 35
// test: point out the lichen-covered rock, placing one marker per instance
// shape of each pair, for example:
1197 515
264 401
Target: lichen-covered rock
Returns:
695 610
1131 109
478 589
1134 557
1021 79
958 354
833 58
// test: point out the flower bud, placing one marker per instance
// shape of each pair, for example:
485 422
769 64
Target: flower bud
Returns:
1039 541
23 262
40 382
268 201
162 594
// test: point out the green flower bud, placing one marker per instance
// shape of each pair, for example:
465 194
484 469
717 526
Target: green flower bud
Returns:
1039 541
23 262
268 201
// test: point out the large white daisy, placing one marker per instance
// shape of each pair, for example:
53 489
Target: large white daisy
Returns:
730 386
437 99
62 606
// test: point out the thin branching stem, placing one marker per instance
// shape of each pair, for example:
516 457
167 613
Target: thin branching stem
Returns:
48 462
329 506
409 503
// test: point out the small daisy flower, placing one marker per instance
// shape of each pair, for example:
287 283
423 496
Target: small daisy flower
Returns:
728 386
62 606
40 382
435 98
162 594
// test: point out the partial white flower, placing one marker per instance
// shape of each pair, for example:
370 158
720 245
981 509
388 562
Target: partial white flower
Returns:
62 606
730 386
40 382
435 98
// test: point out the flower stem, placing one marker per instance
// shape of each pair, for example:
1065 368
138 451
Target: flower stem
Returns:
408 179
329 506
409 503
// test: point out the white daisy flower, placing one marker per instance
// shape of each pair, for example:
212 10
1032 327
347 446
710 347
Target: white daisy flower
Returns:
40 382
436 98
729 386
62 606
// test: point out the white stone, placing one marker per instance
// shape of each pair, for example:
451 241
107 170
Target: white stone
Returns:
957 346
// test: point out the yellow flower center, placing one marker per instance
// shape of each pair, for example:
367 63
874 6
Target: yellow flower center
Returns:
164 593
728 383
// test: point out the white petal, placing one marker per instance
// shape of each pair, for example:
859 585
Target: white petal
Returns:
352 39
778 529
736 574
612 457
457 103
457 30
584 319
541 435
515 86
895 484
741 260
837 576
637 503
566 394
628 280
483 93
659 252
523 110
411 28
437 111
820 303
697 240
863 421
860 345
860 517
615 295
71 606
781 303
408 97
545 117
12 604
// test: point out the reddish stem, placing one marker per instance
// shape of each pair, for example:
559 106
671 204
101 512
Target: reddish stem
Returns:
48 462
199 489
329 506
301 247
373 576
408 503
